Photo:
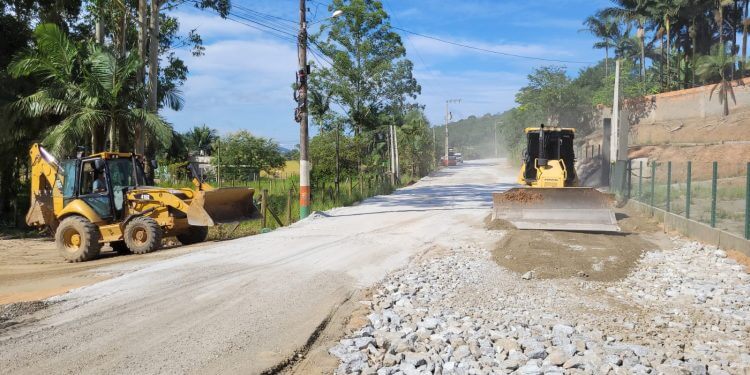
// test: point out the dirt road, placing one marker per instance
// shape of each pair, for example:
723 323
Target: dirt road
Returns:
247 305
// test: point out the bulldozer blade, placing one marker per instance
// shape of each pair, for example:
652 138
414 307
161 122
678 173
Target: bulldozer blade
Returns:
223 205
578 209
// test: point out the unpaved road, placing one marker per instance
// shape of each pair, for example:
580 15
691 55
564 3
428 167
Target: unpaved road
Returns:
246 305
31 269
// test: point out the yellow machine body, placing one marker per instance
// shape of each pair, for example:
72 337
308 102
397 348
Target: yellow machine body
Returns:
549 197
59 190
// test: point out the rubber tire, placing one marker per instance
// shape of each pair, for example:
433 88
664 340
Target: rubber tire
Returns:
120 247
148 227
89 246
194 234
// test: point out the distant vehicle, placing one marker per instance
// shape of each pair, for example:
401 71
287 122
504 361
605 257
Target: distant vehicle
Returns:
452 161
459 158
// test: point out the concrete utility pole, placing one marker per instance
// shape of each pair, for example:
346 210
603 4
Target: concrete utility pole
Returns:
447 119
614 144
302 116
395 149
496 125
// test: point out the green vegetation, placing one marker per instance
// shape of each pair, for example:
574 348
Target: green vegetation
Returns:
96 74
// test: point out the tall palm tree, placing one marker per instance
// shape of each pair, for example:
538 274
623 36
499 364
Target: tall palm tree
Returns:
607 30
718 64
663 13
85 89
634 12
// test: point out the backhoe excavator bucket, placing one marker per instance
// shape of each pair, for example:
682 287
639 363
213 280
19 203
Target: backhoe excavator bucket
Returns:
579 209
223 205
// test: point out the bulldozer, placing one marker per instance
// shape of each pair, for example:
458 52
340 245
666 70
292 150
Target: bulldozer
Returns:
551 198
106 198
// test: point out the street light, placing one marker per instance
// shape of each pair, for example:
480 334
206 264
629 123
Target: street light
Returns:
301 114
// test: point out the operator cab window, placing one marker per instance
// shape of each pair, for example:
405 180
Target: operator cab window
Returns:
92 180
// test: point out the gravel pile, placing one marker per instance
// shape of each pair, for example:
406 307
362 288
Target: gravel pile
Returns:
684 311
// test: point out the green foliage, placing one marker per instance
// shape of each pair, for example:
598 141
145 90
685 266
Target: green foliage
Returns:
85 90
201 138
323 155
241 154
414 141
371 81
631 86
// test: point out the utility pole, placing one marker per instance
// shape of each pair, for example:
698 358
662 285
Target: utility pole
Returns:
434 146
447 119
395 149
614 143
496 125
301 114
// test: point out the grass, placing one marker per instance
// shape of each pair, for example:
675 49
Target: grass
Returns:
730 200
281 192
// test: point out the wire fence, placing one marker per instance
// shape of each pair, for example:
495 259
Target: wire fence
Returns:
281 193
713 193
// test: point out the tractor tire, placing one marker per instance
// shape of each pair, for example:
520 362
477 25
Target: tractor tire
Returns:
193 235
143 235
77 239
120 247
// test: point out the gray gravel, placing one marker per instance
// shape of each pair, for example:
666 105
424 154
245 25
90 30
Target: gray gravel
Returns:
682 311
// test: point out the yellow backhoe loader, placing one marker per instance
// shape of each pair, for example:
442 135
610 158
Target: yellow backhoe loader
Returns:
105 198
552 198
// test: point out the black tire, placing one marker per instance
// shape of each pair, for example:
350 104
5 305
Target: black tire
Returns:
77 239
143 235
193 235
120 247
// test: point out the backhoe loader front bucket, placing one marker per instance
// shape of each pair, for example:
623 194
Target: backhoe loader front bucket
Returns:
223 205
579 209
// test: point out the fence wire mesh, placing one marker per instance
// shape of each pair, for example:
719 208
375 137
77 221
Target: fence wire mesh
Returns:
709 192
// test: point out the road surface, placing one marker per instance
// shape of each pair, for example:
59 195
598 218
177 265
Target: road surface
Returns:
246 305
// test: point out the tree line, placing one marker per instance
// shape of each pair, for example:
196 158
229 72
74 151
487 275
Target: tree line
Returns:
97 73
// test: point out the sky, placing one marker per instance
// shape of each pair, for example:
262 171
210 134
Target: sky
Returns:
243 82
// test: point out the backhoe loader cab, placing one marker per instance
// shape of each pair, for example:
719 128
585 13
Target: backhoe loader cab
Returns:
106 198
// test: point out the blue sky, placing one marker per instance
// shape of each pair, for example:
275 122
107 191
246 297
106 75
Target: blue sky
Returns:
244 79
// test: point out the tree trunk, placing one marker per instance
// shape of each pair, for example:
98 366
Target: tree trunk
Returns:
606 58
153 58
141 74
153 77
744 39
669 52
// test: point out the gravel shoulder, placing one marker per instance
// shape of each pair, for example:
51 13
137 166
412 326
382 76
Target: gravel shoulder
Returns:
682 309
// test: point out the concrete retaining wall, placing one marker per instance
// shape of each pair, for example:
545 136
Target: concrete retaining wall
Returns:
692 229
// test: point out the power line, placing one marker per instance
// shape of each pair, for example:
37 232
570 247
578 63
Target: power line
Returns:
489 50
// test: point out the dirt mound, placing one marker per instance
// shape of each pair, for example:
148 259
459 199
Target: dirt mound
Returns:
557 254
521 195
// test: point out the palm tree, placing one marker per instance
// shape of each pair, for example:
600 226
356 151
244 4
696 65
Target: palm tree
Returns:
662 13
201 138
607 30
631 11
85 89
717 64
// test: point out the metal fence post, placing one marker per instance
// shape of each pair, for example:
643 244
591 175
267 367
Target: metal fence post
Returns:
669 186
630 177
688 188
653 183
289 201
714 177
640 180
263 207
747 203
